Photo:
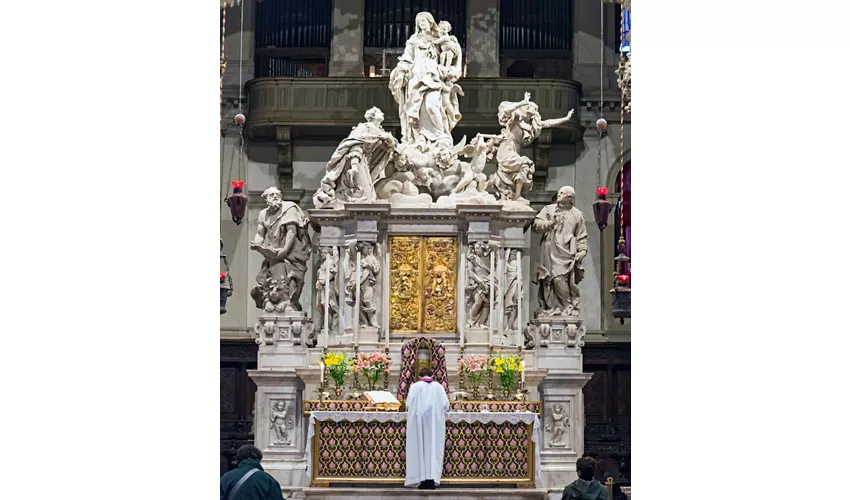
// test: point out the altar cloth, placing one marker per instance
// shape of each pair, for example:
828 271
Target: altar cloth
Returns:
481 447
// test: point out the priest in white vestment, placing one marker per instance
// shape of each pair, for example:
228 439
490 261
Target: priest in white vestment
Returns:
427 404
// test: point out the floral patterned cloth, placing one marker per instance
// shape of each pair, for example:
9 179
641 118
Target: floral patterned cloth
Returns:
407 375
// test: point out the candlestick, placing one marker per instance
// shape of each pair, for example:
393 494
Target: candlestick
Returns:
357 299
519 297
326 326
492 304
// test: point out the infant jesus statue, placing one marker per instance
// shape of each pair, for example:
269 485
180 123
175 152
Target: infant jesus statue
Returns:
449 46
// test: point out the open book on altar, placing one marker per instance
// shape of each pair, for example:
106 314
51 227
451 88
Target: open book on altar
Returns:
383 400
381 397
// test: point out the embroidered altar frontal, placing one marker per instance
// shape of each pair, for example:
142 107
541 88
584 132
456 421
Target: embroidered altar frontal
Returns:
369 447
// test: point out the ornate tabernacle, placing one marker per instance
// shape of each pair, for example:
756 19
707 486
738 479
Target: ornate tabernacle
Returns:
417 258
411 363
369 447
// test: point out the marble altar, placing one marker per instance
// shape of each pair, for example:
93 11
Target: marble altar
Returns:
409 239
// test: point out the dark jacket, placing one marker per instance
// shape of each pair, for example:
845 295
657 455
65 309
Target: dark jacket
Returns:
582 489
260 486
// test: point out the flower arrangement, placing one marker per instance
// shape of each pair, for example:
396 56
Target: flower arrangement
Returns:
372 367
509 368
337 365
474 368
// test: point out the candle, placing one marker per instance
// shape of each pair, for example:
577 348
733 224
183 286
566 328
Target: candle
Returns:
321 374
522 373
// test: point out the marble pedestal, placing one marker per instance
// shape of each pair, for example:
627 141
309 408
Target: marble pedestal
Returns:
562 388
563 330
287 328
286 461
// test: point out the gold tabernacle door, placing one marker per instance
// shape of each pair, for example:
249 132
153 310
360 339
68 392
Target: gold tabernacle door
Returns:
423 284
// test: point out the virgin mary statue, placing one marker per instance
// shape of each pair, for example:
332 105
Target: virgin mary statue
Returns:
417 83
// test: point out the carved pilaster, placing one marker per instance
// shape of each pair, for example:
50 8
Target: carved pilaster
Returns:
283 138
541 159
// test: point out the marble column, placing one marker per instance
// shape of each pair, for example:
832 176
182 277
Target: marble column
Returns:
482 38
347 41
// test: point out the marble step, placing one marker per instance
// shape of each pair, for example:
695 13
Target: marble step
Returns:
445 493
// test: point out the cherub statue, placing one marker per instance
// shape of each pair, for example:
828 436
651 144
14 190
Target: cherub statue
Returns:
557 425
449 46
279 424
449 93
473 176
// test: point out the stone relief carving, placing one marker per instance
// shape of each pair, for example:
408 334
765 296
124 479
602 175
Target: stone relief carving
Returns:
281 423
478 285
359 161
370 270
283 241
522 124
557 424
562 248
327 272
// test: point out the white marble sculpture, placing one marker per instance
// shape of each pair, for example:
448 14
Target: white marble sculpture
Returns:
284 243
556 426
511 290
478 285
562 248
471 188
370 270
359 161
522 124
326 274
417 84
279 423
529 333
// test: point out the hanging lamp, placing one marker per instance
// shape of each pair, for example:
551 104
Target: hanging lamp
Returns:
237 202
601 207
621 294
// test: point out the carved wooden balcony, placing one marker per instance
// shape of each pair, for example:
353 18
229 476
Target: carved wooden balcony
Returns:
304 105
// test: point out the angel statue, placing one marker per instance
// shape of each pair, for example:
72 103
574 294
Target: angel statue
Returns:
521 124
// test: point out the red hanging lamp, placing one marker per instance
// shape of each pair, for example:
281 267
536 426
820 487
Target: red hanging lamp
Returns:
237 202
601 208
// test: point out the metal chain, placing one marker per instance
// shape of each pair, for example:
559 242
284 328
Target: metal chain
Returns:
623 149
622 137
601 59
223 63
225 187
599 161
240 170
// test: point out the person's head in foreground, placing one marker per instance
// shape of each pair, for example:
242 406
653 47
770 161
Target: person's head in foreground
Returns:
586 468
248 451
426 373
585 487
